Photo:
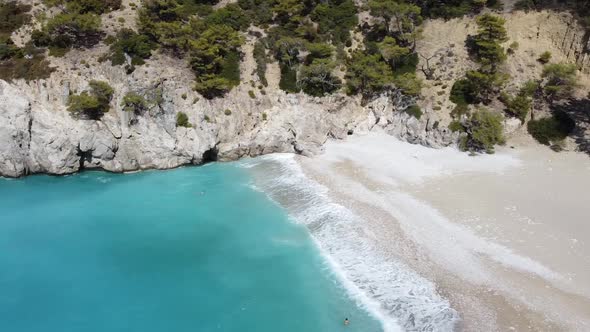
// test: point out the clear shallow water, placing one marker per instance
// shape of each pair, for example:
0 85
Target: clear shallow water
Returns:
193 249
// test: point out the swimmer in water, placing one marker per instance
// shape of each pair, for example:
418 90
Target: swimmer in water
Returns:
346 321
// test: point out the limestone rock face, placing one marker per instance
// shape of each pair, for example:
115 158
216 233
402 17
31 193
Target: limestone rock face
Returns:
15 135
54 142
38 135
511 125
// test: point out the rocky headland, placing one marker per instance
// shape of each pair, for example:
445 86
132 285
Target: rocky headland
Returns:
38 135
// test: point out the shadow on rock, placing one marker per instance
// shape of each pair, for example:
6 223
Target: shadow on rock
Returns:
579 111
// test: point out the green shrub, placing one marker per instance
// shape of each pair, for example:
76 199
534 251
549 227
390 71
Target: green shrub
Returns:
455 126
40 38
317 79
182 120
409 83
133 102
545 57
259 11
87 104
392 52
406 65
102 90
230 68
137 47
109 40
19 67
525 4
400 18
231 15
215 60
227 112
484 130
13 15
518 106
477 86
485 46
286 49
261 61
251 94
529 88
67 30
75 27
512 48
552 129
560 81
8 50
414 111
580 7
93 104
26 63
463 92
367 74
288 80
448 9
459 110
318 51
212 86
336 19
264 116
87 6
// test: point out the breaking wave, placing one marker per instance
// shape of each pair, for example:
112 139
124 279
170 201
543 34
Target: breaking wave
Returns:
391 291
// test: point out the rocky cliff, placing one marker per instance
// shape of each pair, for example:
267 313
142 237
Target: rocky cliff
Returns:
38 135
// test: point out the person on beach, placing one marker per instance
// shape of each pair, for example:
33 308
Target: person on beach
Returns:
346 321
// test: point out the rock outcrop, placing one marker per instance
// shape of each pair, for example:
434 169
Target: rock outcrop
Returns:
15 131
38 135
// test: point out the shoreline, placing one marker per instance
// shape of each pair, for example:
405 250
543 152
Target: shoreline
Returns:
344 172
493 284
139 170
406 300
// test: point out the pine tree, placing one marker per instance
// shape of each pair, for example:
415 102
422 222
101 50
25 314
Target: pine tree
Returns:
486 44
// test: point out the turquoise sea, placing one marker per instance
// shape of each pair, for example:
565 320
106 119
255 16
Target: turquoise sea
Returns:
191 249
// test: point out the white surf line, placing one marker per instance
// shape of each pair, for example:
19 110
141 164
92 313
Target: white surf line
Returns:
389 290
426 225
458 249
389 161
370 305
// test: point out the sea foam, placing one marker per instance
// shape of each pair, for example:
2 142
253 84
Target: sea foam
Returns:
392 292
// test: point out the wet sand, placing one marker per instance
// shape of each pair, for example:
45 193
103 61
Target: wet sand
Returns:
505 237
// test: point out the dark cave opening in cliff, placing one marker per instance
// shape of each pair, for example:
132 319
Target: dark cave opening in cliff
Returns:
85 157
210 155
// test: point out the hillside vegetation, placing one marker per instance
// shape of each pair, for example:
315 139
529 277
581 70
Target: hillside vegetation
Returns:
364 48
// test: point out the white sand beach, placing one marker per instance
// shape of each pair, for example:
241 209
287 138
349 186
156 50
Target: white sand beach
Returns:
504 238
